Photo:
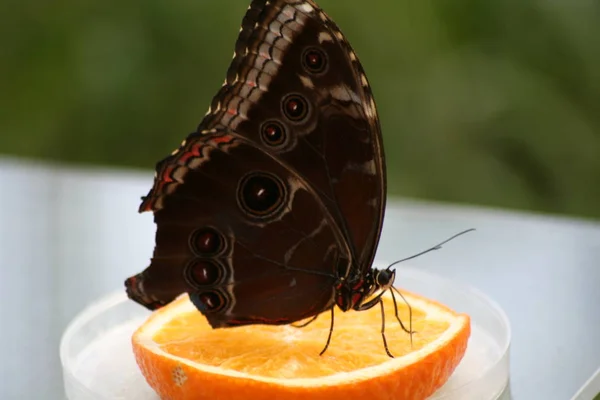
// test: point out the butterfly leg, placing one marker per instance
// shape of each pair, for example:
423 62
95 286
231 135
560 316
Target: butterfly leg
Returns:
372 303
310 321
330 333
409 330
385 345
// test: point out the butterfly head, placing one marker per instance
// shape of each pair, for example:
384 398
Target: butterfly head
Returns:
384 278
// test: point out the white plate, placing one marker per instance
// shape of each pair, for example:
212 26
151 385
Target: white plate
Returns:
98 361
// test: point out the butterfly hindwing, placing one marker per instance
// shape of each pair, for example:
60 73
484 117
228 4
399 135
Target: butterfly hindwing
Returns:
231 235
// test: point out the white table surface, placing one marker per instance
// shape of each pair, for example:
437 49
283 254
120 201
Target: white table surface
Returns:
69 236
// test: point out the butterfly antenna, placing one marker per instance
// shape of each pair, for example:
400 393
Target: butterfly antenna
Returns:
436 247
393 289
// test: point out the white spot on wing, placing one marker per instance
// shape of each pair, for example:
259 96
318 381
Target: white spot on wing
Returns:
307 8
363 80
370 110
288 11
343 93
367 168
325 37
307 82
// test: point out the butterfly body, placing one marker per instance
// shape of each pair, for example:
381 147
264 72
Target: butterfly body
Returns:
271 211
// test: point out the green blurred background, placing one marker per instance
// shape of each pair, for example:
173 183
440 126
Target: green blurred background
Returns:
493 102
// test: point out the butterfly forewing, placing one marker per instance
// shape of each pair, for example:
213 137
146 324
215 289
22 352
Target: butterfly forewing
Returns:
295 117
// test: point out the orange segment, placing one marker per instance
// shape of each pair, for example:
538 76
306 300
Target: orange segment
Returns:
182 357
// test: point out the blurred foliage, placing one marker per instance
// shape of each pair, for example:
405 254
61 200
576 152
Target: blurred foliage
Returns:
482 101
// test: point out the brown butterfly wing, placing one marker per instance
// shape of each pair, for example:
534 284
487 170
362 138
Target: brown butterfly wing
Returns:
296 94
337 145
243 257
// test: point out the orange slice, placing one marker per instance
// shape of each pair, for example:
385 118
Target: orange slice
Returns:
183 358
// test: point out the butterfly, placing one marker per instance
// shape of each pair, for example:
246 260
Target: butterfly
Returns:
271 211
